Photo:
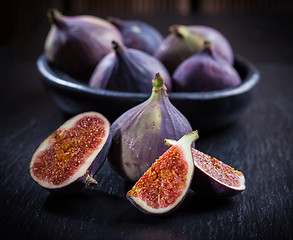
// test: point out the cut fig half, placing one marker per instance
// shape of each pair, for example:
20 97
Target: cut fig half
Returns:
213 177
165 184
67 160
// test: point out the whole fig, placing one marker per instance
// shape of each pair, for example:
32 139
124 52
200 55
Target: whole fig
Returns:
185 41
127 70
177 46
204 72
137 34
76 44
139 133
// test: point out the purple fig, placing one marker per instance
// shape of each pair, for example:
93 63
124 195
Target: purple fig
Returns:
163 187
128 70
76 44
185 41
67 160
204 72
138 34
177 46
139 133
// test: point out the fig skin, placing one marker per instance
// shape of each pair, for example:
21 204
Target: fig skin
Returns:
137 34
83 177
76 44
139 133
128 70
185 41
161 189
205 72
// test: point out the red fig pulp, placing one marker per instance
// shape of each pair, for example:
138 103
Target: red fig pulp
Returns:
76 44
165 184
204 72
139 133
128 70
68 158
139 35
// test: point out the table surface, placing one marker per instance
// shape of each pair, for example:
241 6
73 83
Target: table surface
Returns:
259 144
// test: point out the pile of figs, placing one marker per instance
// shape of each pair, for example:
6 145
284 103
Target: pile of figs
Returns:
123 55
151 144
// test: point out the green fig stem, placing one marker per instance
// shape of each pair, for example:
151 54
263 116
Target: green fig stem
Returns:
55 18
180 31
159 88
90 180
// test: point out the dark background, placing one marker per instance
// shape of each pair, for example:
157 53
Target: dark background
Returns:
259 144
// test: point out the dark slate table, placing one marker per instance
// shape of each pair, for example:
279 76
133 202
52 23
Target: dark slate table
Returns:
259 144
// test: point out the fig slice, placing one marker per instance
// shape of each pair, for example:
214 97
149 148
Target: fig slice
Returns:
162 188
67 160
213 177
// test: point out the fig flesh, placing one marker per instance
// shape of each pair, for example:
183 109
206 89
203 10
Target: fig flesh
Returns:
139 35
212 177
205 72
67 160
128 70
139 133
76 44
165 184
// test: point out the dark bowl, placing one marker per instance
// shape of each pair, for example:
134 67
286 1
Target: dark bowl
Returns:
206 111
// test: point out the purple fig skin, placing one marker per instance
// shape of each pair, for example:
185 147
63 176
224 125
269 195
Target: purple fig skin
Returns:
128 70
139 133
76 44
205 72
204 184
139 35
185 41
86 179
221 45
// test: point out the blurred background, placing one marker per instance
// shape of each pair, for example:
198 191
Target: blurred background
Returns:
18 17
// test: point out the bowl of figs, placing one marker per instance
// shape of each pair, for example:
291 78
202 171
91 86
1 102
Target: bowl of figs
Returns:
108 65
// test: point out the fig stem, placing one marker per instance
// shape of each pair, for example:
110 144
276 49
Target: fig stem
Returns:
54 17
158 81
90 181
180 31
116 46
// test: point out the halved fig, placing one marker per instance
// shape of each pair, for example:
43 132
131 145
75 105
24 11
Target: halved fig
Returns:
213 177
67 160
165 184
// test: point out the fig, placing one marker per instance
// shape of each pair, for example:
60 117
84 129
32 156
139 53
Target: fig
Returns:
165 184
76 44
215 178
137 34
212 177
185 41
67 160
205 72
128 70
139 133
177 46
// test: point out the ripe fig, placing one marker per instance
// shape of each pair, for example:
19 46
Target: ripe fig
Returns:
177 46
139 35
221 44
185 41
139 133
67 160
165 184
213 177
76 44
204 72
127 70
